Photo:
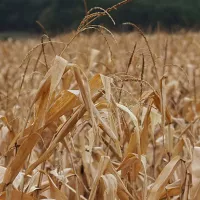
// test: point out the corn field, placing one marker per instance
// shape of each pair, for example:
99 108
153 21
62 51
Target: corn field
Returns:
100 116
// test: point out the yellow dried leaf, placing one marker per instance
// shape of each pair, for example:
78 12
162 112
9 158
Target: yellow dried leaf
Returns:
95 83
65 103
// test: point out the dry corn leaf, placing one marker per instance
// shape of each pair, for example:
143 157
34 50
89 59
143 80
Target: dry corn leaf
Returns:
132 165
102 105
52 77
32 186
55 192
28 144
107 81
67 80
128 160
145 132
121 190
18 180
43 92
105 127
144 164
63 175
163 178
110 186
169 132
191 111
195 172
103 164
188 148
65 103
63 131
137 132
172 189
178 148
93 56
95 83
5 121
105 167
86 96
87 159
44 86
56 72
122 195
15 195
5 139
153 95
156 119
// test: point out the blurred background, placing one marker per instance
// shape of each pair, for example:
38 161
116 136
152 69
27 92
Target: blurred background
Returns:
65 15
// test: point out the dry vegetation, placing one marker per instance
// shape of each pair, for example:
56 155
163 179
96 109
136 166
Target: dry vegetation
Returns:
104 119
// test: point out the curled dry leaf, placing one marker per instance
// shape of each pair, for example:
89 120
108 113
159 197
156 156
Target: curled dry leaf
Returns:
110 186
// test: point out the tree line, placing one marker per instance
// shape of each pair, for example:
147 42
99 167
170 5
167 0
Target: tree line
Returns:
65 15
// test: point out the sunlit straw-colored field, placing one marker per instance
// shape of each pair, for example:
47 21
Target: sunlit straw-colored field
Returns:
100 117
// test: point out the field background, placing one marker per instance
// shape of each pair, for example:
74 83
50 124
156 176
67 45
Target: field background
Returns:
65 15
98 114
